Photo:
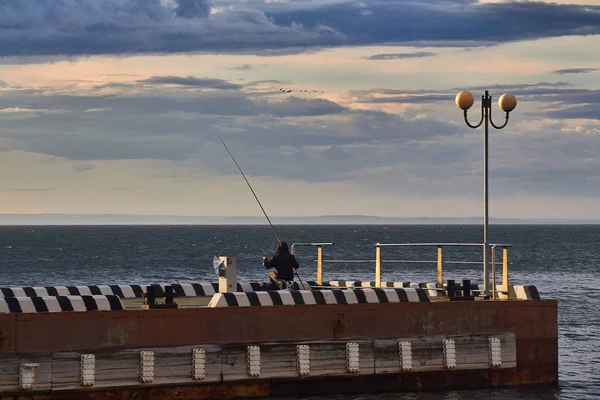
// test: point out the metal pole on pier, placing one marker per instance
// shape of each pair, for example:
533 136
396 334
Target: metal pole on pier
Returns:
507 102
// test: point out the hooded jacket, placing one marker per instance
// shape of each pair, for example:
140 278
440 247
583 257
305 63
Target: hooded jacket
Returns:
283 262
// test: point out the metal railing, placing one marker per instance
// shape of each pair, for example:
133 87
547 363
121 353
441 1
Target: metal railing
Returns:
319 247
439 261
504 269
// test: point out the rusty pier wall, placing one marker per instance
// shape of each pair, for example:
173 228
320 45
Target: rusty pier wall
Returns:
533 322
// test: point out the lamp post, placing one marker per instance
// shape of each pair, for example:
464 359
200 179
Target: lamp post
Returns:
507 102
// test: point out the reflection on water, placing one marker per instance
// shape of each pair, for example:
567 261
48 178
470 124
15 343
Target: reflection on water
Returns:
543 393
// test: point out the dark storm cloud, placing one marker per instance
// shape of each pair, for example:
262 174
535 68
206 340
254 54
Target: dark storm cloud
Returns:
400 56
574 71
408 21
192 8
209 83
88 27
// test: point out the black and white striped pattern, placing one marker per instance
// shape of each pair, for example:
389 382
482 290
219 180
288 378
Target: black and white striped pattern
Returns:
321 297
122 291
53 304
526 292
130 291
515 292
208 289
371 284
432 292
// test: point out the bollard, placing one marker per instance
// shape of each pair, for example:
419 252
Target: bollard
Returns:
450 289
151 295
153 291
169 295
466 288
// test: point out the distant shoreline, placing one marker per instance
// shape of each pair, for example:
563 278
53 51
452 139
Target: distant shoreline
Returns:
123 219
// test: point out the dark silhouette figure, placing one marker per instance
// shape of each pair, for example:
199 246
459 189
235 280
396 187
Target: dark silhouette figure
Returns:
284 264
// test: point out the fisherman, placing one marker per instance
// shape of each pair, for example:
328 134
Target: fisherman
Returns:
285 265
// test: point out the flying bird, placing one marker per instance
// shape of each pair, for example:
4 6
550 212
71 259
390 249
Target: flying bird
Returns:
301 90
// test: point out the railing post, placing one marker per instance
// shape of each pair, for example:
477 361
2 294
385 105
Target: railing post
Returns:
377 265
505 270
440 267
493 272
319 265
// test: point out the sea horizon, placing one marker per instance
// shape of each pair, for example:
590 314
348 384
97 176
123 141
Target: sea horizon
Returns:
149 219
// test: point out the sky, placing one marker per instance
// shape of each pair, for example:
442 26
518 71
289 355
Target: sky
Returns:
329 107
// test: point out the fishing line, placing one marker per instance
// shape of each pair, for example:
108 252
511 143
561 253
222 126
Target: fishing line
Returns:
255 196
258 201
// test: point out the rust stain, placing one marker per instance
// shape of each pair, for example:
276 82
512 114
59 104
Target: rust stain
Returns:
191 392
138 328
117 334
338 325
3 337
410 382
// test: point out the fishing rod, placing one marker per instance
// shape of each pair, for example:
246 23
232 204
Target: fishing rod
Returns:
255 196
300 279
257 200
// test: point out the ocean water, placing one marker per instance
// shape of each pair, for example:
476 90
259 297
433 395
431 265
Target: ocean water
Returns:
562 261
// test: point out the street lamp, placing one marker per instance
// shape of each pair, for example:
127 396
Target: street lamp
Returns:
507 102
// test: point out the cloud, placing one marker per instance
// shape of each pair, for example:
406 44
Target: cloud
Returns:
496 87
297 107
81 167
34 189
245 67
208 83
416 99
176 126
318 140
265 82
401 56
585 111
192 8
314 139
90 27
24 110
97 110
559 100
168 124
217 103
574 71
